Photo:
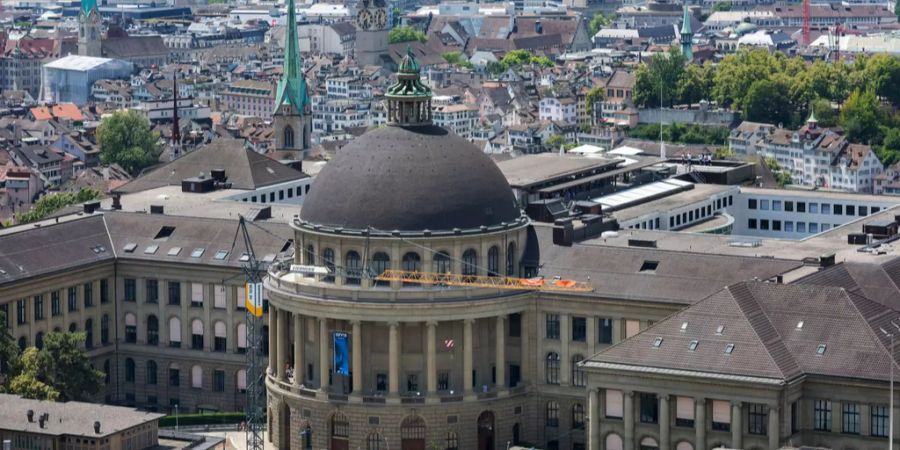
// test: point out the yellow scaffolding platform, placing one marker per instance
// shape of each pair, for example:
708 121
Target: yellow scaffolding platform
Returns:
481 281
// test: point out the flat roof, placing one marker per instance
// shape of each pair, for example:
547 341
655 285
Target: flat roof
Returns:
699 193
69 418
642 163
76 62
529 170
215 204
622 199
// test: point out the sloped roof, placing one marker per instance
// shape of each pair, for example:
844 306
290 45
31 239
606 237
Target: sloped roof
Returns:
877 282
244 168
133 46
763 322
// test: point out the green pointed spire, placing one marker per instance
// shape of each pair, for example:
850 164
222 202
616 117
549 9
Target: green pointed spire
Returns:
292 86
87 6
687 34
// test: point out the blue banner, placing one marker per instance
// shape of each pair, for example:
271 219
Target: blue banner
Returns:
341 353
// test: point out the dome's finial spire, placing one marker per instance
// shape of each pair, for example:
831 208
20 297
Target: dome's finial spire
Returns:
409 100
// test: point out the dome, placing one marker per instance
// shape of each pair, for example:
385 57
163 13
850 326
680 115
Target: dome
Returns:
745 28
410 178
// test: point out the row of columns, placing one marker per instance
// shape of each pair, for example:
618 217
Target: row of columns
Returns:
737 429
281 342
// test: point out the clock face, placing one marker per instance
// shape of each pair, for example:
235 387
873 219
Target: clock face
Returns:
380 19
365 19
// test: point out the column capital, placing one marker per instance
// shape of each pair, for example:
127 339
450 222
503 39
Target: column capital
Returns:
700 400
737 403
665 397
628 393
393 324
431 323
355 322
501 317
323 319
469 321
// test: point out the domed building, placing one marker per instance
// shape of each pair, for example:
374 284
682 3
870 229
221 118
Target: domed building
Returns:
367 363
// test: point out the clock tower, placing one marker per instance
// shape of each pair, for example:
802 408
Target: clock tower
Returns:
372 32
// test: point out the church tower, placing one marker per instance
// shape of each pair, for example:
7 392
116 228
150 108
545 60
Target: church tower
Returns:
372 32
687 35
292 115
89 29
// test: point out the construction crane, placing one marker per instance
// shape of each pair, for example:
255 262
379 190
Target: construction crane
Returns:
481 281
253 269
805 38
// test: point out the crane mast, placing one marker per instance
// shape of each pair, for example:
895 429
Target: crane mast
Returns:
255 322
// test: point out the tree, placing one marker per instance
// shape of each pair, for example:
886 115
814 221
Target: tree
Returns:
125 139
825 114
696 83
883 74
34 379
9 352
889 152
406 33
861 116
73 375
768 101
51 203
599 21
721 6
456 59
554 142
517 58
663 71
594 96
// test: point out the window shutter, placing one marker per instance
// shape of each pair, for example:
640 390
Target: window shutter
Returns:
685 408
614 407
721 411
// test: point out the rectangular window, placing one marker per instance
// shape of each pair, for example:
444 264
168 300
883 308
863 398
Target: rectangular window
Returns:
789 226
632 327
826 208
174 293
813 227
443 381
801 207
130 290
838 210
219 381
794 423
220 299
649 408
757 418
751 203
813 208
751 223
579 329
152 288
850 210
789 206
55 307
552 326
197 295
822 415
5 315
38 307
684 412
801 227
863 210
605 332
764 224
850 419
21 312
72 295
174 377
776 205
880 419
614 404
88 295
721 420
104 291
764 205
776 225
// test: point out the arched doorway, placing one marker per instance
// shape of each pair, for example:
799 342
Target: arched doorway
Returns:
412 433
340 432
486 431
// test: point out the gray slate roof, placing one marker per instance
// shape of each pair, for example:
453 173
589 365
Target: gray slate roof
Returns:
877 282
761 321
244 168
69 418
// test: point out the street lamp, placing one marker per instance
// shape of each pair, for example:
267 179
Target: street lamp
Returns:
891 403
176 417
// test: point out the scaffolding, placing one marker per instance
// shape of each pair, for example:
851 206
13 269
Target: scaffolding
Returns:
481 281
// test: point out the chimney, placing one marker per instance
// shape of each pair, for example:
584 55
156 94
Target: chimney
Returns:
91 207
30 415
97 427
117 201
41 421
218 175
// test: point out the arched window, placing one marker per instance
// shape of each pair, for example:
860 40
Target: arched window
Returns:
242 381
174 332
613 442
470 262
412 262
578 416
152 373
288 137
22 343
412 428
352 268
684 445
197 377
552 368
648 443
340 426
221 340
374 441
493 261
152 330
129 370
104 329
73 327
89 334
130 328
578 376
328 259
242 338
197 334
452 441
552 412
310 256
39 340
511 260
380 262
442 263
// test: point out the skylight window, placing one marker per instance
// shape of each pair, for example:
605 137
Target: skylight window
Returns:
657 342
649 266
130 247
269 257
729 349
2 272
244 257
720 329
198 252
800 325
151 250
693 345
683 327
220 255
164 233
821 349
174 251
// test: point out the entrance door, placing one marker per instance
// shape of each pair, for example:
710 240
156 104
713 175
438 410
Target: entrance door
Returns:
486 431
514 375
412 433
340 432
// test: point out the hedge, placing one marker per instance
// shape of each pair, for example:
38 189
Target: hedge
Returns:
203 419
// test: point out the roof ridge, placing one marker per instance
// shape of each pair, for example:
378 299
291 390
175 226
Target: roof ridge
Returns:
850 299
743 286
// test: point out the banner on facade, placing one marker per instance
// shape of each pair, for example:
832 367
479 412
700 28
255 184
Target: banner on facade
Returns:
254 301
341 353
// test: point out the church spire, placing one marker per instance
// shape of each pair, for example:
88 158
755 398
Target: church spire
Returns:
87 6
687 35
409 100
292 86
